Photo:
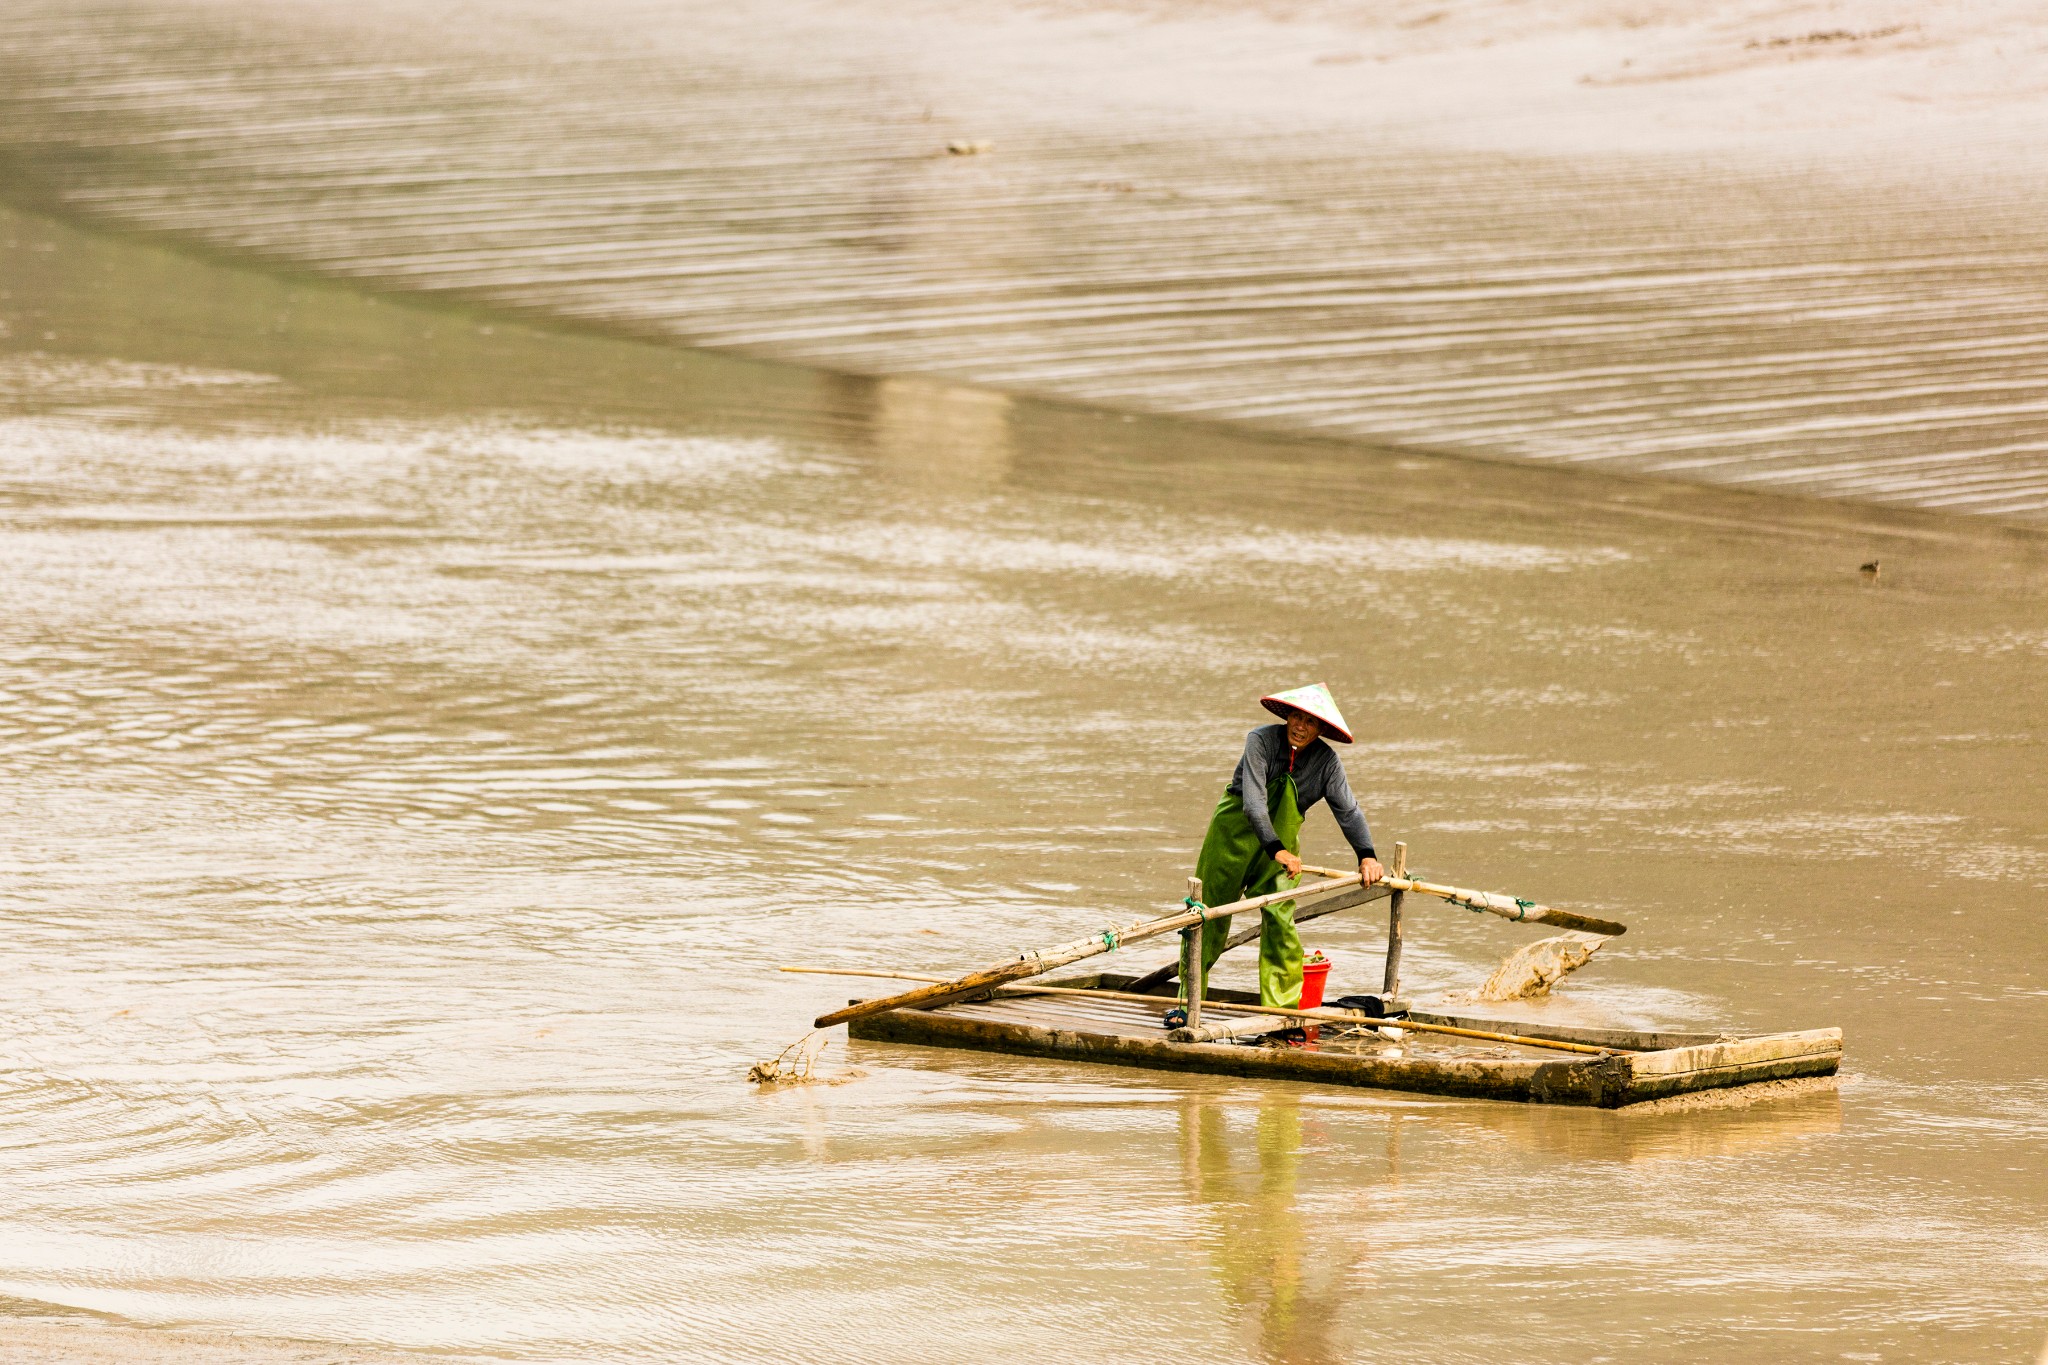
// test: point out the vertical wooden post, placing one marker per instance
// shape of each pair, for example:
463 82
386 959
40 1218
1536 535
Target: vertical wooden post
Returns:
1191 961
1392 986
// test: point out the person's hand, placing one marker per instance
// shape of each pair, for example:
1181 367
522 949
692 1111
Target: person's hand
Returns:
1289 864
1370 871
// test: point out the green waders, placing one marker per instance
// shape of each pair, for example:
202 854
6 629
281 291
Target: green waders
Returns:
1232 868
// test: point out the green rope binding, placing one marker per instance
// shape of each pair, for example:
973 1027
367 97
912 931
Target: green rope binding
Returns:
1191 903
1522 907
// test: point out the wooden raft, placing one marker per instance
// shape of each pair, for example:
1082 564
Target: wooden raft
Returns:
1130 1033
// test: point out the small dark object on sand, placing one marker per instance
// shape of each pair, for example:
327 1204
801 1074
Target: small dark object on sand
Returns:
1832 35
1870 570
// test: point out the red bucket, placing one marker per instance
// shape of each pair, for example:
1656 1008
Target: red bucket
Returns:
1313 973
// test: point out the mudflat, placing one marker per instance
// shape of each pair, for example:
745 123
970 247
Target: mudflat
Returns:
1793 248
84 1341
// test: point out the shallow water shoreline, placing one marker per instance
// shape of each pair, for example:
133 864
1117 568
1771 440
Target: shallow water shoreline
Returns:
1740 251
79 1339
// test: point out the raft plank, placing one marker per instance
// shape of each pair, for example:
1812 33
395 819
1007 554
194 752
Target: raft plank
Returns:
1107 1009
1068 1007
1776 1056
1477 1078
1128 1033
1055 1013
1632 1078
1051 1016
1120 1016
1652 1039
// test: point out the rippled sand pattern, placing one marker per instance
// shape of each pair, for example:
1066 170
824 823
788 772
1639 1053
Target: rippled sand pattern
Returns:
775 182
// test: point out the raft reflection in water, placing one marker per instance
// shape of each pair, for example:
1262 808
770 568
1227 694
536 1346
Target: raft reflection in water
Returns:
1285 1272
1298 1229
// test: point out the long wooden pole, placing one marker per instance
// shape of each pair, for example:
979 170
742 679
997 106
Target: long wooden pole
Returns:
1390 987
1398 884
1320 1016
1159 976
1194 981
1507 907
1051 959
1347 1017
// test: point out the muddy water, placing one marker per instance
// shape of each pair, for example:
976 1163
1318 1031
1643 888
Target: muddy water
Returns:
421 736
1219 216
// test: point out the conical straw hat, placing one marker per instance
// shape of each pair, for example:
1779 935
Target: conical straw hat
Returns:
1317 701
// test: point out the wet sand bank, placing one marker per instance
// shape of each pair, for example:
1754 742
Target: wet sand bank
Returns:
1791 248
80 1340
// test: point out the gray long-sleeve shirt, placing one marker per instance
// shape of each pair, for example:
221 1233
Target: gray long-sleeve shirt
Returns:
1318 776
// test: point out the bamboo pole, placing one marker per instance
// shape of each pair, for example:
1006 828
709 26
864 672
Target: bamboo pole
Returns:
1391 986
1348 1017
1399 885
1326 1016
1507 907
1159 976
1060 955
1194 981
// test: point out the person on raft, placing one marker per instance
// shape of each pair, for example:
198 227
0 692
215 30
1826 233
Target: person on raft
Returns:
1254 841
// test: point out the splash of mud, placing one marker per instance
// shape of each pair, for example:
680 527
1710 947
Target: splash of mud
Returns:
1531 970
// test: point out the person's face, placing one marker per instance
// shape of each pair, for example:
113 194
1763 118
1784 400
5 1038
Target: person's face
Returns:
1302 729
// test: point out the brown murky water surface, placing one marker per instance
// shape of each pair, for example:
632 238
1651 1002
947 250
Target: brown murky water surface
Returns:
420 736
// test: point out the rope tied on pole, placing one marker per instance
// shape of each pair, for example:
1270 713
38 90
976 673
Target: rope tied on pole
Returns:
1507 907
1522 908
